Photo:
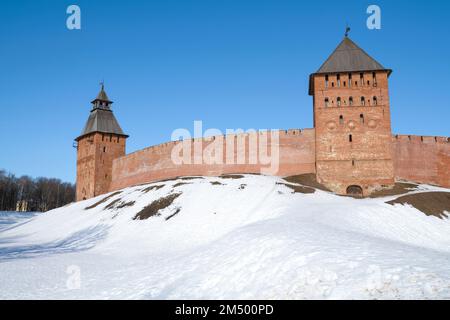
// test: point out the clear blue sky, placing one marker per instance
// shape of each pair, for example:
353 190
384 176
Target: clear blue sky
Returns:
232 64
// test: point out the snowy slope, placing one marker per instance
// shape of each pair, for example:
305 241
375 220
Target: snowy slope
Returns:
248 238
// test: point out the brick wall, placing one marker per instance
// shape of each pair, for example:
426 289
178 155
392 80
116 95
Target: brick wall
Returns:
353 136
94 163
422 159
415 158
296 156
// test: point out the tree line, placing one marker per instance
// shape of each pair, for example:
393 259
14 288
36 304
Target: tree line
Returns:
28 194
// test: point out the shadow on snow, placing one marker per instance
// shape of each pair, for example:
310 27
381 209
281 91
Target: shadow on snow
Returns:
78 241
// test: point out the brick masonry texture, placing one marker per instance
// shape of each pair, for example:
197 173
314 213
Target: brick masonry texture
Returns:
422 159
415 158
353 131
296 156
351 148
95 156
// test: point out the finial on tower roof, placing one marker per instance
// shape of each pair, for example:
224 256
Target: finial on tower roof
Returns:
347 30
102 96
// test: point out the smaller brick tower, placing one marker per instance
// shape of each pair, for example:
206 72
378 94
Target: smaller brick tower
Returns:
352 122
101 141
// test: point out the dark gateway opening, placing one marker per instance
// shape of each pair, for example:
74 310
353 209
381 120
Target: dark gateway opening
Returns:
355 191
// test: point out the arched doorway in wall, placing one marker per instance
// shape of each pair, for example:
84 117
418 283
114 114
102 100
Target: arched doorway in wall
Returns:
355 191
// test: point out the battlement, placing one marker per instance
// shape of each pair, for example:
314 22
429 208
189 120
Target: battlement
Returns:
295 148
421 139
351 149
423 159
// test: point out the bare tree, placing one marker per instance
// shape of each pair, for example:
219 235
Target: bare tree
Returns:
27 194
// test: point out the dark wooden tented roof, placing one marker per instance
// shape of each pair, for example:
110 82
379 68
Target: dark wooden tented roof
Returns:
102 118
348 57
103 121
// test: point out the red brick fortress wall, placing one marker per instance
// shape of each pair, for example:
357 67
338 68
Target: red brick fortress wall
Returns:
296 156
415 158
422 159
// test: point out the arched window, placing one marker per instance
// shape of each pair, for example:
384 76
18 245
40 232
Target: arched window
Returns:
349 79
339 101
361 118
361 78
363 101
326 81
327 102
350 100
374 78
350 138
341 119
375 101
338 80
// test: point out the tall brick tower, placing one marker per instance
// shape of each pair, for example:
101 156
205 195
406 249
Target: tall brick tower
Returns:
352 122
101 141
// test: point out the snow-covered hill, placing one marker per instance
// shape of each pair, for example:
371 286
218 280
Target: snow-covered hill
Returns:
231 237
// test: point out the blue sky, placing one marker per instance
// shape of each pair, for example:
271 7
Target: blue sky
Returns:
232 64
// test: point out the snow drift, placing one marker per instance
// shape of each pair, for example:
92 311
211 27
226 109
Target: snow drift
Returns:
234 237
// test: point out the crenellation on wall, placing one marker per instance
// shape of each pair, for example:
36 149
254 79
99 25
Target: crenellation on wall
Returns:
422 159
296 156
412 155
351 149
423 139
